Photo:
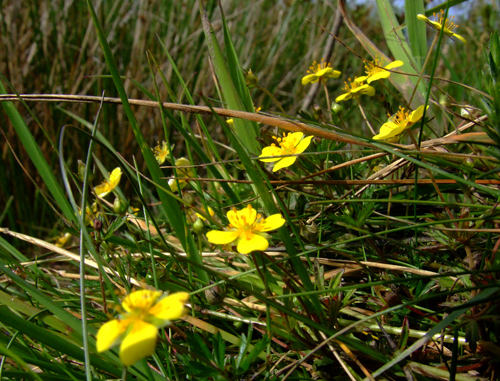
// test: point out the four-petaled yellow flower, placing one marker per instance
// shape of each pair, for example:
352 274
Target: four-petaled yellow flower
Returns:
247 230
355 89
108 185
161 152
319 72
137 328
375 70
447 25
291 144
399 122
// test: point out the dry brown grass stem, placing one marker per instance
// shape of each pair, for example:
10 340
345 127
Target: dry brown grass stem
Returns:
340 182
259 118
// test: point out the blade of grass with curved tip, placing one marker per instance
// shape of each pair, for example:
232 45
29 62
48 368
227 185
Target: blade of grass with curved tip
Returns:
36 156
416 30
247 131
169 204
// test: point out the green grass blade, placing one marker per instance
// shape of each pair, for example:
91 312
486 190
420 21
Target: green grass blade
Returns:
36 156
245 129
416 30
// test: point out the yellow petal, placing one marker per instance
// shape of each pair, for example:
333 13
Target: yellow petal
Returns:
304 143
459 37
328 72
422 17
170 307
109 334
310 78
143 299
285 162
343 97
388 130
416 115
218 237
249 214
270 151
295 136
139 343
394 64
253 242
115 177
379 75
273 222
360 79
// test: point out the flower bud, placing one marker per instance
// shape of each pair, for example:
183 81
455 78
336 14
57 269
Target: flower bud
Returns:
251 79
337 108
215 294
198 226
120 206
444 101
81 172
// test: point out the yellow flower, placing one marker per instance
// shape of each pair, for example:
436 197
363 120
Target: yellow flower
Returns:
62 239
291 144
181 172
161 152
355 89
375 71
137 328
319 72
399 122
210 212
447 25
246 230
108 185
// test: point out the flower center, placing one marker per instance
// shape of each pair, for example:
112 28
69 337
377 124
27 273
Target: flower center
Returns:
400 117
349 87
287 143
315 67
448 23
139 303
373 67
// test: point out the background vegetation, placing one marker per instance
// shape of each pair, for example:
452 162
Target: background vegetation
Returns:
394 279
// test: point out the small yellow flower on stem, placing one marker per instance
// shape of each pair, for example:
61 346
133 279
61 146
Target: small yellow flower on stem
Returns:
291 144
181 172
246 229
399 122
161 152
145 312
320 72
354 89
447 25
375 70
108 185
210 212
